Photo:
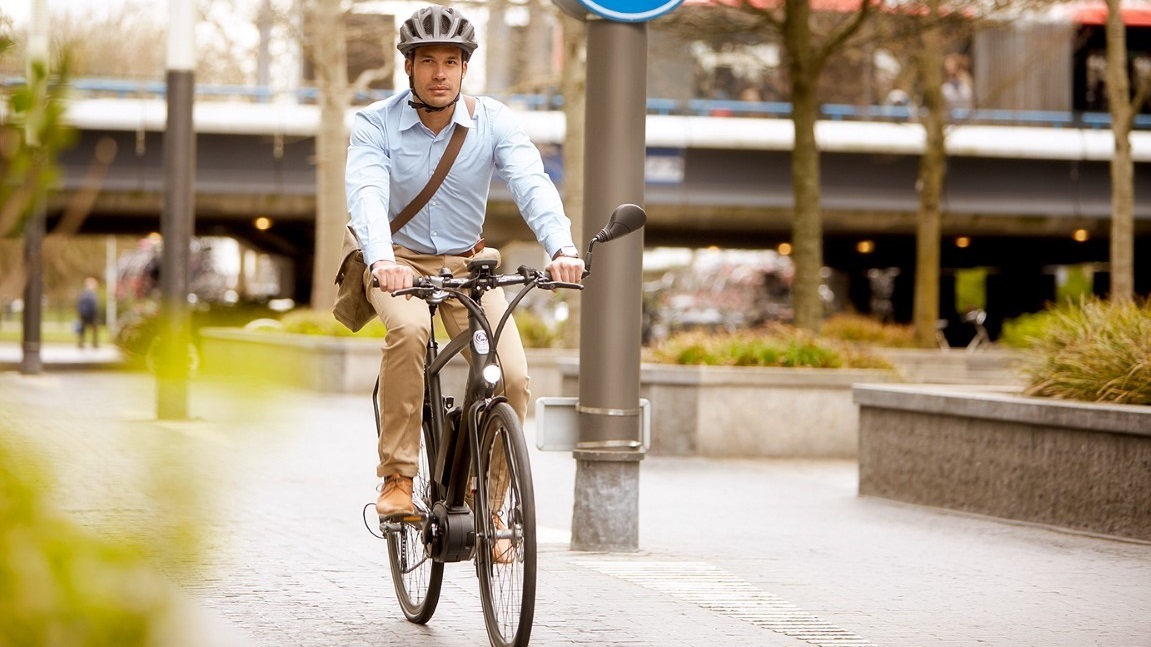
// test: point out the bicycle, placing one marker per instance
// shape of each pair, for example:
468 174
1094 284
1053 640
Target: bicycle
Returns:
982 338
477 447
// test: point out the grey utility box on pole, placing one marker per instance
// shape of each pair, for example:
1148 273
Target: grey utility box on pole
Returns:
605 515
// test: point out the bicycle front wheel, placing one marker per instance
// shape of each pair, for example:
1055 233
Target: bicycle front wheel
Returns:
417 576
506 550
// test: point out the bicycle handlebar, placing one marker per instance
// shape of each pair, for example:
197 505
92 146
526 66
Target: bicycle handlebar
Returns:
626 219
424 285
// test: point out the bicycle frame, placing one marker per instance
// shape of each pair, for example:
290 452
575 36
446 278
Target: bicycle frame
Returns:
458 446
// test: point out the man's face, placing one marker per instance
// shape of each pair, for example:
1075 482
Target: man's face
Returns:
437 72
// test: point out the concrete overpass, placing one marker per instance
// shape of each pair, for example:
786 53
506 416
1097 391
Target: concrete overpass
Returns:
711 181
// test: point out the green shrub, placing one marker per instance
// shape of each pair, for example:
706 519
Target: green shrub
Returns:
321 322
1096 351
1024 331
59 583
535 332
775 345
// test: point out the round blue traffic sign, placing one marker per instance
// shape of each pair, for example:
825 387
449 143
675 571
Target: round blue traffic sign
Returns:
619 10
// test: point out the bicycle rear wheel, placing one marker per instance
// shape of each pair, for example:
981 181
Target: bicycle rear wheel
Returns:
506 551
416 576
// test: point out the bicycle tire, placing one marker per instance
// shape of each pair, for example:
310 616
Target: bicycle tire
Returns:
507 582
417 577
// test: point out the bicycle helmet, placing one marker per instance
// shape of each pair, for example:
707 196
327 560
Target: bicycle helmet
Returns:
437 25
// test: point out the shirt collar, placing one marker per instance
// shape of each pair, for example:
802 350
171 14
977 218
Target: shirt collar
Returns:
409 116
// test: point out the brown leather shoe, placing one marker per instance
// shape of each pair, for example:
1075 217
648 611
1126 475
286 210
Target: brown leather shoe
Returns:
503 551
395 496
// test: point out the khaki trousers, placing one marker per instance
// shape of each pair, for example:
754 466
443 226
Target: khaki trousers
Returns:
402 365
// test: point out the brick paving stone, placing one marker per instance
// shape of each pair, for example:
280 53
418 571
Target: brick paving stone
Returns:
276 480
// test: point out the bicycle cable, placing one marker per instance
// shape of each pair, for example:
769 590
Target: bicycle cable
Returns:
367 525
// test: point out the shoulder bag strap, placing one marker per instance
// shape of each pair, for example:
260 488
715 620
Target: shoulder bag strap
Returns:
453 149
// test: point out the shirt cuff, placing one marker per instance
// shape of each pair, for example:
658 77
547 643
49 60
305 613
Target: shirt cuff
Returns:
372 254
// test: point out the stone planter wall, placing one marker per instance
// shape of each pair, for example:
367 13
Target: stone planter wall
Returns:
1076 465
748 412
334 364
324 364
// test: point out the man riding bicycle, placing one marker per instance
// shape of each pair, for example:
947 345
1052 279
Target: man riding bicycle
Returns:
394 147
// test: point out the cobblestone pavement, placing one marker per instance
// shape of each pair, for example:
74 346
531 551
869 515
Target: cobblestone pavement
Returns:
732 552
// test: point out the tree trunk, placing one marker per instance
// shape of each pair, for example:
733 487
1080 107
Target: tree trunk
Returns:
1122 166
330 59
539 43
574 91
932 169
498 71
807 218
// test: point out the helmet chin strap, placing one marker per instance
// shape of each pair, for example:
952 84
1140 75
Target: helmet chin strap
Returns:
420 105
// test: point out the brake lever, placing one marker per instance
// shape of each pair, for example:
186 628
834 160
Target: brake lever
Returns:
551 285
416 289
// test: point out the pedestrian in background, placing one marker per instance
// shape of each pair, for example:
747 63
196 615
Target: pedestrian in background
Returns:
958 87
87 308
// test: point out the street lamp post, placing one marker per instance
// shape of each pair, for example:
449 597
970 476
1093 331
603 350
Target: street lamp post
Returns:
177 220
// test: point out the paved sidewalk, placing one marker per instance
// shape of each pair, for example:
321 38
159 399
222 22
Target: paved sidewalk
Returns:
59 356
733 552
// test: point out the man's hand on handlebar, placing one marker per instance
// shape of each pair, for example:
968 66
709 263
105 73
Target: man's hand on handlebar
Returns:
565 269
391 276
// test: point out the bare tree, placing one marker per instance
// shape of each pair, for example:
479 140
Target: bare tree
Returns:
930 34
329 56
809 40
807 54
924 33
325 44
1123 110
932 169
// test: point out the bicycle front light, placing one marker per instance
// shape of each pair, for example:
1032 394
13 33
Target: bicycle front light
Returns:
492 374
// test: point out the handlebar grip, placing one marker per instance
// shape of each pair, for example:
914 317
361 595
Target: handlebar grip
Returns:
420 282
548 283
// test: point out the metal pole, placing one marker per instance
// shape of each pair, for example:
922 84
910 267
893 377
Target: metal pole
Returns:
31 362
177 221
605 515
32 318
110 284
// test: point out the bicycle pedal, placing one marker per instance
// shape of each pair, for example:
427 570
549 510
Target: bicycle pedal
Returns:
401 518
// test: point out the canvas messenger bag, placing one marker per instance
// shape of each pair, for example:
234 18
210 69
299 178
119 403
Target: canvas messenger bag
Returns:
352 308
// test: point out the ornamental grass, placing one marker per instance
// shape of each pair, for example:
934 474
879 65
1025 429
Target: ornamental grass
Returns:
1094 351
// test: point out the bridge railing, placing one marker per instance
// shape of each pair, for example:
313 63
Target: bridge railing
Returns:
128 88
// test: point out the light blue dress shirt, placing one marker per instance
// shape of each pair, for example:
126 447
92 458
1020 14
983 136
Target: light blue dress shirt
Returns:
392 155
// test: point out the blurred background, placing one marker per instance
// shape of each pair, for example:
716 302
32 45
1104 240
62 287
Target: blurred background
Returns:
1027 167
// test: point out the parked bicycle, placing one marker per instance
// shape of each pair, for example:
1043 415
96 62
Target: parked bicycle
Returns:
982 338
473 493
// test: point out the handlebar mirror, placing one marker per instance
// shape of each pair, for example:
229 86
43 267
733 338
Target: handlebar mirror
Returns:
624 220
